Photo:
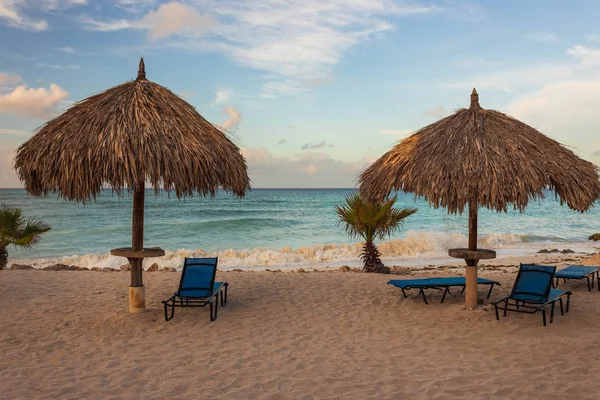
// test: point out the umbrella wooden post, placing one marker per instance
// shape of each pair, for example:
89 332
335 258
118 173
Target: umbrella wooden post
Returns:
137 295
471 269
472 255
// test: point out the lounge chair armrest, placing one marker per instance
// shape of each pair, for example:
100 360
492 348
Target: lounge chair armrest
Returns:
500 300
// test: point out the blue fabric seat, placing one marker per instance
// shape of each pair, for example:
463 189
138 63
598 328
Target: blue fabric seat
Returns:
579 272
438 284
532 292
197 288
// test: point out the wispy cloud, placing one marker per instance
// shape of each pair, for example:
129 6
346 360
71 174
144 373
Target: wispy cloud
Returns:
15 12
11 13
170 19
32 102
66 49
320 145
436 112
9 79
587 56
307 169
592 37
58 66
222 96
187 94
544 37
396 132
268 35
18 132
234 117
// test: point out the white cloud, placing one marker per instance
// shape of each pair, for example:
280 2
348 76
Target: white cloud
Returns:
560 105
588 57
186 94
17 132
9 79
105 26
14 12
52 5
400 133
12 15
38 103
308 169
436 112
233 120
320 145
296 43
544 37
222 96
592 37
136 6
8 176
174 19
509 78
169 19
57 66
66 49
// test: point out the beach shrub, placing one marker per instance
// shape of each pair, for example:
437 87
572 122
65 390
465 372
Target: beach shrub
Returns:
15 230
370 221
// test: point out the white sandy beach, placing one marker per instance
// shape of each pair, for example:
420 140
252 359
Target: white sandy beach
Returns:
333 335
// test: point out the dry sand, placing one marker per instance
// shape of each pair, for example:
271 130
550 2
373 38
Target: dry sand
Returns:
286 336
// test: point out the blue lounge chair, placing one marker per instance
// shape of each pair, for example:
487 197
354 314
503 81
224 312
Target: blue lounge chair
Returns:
438 284
532 292
197 288
579 272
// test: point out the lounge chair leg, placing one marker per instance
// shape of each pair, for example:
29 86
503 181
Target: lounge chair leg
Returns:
490 291
226 287
568 302
423 293
505 307
214 309
167 316
562 311
444 295
517 303
404 293
589 284
496 309
544 315
463 289
552 312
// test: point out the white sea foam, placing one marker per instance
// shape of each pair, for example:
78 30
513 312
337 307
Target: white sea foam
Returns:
415 247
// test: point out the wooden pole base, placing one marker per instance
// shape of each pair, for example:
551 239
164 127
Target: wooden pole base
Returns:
471 287
137 299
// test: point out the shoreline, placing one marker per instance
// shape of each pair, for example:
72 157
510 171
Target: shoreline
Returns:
508 261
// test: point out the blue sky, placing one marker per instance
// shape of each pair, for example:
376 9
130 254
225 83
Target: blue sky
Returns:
314 90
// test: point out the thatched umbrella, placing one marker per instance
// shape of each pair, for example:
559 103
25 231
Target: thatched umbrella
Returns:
479 157
131 134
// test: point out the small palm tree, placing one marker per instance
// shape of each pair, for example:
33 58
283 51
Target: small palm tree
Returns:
371 221
15 230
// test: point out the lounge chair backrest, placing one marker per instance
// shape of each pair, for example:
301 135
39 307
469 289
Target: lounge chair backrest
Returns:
533 283
198 277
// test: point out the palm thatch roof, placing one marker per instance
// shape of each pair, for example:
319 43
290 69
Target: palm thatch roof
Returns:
135 132
482 155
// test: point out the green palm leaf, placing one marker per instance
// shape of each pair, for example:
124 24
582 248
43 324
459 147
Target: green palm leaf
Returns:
370 221
18 232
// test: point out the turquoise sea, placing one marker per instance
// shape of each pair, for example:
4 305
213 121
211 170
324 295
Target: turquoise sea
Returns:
278 228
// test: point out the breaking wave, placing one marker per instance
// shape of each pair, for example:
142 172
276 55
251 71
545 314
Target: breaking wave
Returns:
414 247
